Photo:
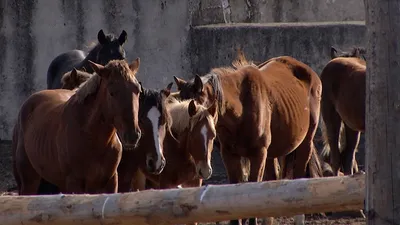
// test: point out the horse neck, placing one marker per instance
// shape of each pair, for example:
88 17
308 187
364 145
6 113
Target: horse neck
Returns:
181 141
91 115
92 56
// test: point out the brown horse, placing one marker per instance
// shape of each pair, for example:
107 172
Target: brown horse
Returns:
343 102
70 138
155 122
270 110
74 78
189 152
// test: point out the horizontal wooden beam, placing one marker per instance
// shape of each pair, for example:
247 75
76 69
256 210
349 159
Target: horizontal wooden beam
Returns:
176 206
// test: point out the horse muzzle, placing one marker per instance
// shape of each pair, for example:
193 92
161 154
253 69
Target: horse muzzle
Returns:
204 170
155 165
131 140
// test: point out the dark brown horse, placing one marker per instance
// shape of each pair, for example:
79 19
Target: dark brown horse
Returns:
108 48
343 108
267 110
69 138
155 122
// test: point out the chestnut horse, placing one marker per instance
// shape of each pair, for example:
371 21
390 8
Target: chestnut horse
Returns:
188 151
267 110
155 122
343 108
108 48
69 138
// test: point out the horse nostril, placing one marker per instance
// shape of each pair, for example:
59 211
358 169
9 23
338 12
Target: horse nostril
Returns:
200 173
150 164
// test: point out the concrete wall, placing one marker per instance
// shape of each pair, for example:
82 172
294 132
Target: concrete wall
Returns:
163 34
216 45
34 32
267 11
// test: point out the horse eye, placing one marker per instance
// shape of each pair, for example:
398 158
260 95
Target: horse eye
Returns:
112 93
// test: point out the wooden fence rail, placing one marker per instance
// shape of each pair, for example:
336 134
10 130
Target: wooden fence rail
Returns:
177 206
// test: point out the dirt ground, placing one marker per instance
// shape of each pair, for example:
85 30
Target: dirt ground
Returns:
7 187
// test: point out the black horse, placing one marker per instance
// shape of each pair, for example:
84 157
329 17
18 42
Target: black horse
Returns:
107 48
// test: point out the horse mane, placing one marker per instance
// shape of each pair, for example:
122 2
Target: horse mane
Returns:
88 88
180 117
91 86
213 77
356 52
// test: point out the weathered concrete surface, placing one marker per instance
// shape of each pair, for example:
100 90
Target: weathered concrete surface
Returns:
267 11
216 45
34 32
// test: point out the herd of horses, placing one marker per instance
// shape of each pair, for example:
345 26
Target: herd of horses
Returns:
96 129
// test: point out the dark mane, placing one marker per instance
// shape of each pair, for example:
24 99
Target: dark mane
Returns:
213 79
357 52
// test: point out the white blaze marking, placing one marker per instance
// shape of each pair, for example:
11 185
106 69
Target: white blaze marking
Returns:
154 116
204 131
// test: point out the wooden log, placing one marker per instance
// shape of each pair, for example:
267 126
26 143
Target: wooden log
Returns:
177 206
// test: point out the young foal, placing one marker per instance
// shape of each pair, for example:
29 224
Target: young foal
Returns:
108 48
188 153
70 138
155 122
343 102
269 109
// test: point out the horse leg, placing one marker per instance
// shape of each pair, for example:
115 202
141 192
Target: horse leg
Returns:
348 154
257 167
28 178
272 172
139 181
127 168
332 123
112 184
234 170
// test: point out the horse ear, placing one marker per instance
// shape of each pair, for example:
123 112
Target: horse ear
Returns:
74 74
192 110
198 84
98 68
122 37
134 66
179 82
213 109
167 91
333 52
101 37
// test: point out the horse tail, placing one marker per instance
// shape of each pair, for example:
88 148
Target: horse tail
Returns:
245 162
314 167
326 150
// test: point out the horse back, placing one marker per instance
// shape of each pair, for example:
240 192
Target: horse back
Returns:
294 95
62 64
343 81
42 106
